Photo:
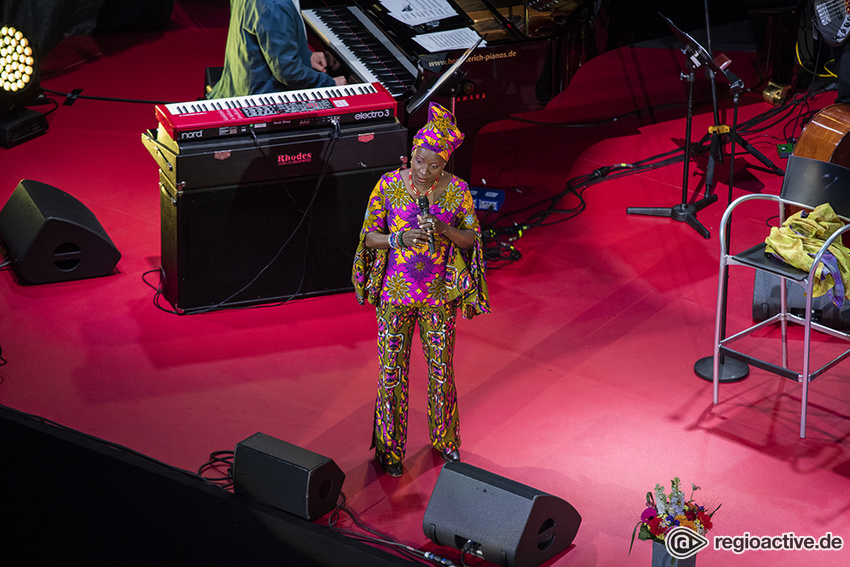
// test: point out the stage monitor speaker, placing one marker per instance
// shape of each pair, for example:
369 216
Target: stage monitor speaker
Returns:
52 237
286 476
766 303
498 519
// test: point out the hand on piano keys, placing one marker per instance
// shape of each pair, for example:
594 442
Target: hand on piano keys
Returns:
363 47
324 61
321 60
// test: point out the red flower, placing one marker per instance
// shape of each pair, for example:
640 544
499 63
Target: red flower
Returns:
655 526
705 520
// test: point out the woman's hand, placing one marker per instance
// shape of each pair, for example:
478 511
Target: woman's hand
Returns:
432 225
416 237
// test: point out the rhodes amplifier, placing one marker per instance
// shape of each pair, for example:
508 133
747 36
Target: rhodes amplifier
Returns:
255 243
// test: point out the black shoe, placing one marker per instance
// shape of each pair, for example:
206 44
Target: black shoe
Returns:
395 470
450 456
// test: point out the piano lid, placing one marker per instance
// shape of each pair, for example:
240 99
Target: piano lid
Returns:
361 45
497 21
500 21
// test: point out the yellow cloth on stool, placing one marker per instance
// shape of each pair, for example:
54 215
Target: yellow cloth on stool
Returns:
797 242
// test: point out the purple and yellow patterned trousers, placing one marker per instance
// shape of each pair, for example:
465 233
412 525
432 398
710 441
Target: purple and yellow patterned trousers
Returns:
395 335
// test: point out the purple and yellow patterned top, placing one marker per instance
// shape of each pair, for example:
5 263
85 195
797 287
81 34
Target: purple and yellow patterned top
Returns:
412 275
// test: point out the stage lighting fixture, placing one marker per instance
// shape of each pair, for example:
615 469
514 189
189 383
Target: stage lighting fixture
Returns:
19 87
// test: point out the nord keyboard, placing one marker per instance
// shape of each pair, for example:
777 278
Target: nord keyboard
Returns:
358 42
286 110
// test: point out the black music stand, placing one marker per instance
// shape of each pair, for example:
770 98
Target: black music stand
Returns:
450 80
696 57
425 93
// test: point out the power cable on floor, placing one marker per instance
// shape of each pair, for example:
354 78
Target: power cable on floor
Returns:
500 233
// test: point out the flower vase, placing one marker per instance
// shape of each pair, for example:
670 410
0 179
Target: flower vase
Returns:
661 558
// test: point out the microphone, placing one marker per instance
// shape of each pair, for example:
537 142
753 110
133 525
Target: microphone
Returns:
423 208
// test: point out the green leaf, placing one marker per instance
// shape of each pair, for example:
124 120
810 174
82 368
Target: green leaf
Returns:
633 536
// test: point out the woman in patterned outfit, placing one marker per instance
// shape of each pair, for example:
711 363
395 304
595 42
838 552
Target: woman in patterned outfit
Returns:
396 271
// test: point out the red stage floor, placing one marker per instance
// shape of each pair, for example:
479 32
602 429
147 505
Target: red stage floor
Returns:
580 383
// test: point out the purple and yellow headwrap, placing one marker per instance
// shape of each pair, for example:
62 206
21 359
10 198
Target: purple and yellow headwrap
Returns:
440 134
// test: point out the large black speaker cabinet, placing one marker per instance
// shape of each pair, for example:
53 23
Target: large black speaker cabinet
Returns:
52 237
254 243
286 476
498 519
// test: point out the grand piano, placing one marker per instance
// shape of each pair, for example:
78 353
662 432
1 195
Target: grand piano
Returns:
531 51
533 48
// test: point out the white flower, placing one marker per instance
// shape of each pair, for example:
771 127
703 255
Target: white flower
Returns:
661 501
677 498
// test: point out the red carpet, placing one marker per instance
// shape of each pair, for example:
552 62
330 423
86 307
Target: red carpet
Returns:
580 383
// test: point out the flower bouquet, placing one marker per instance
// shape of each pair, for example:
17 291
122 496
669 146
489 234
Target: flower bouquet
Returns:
665 512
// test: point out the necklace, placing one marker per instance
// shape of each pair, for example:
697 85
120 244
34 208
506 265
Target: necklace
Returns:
415 190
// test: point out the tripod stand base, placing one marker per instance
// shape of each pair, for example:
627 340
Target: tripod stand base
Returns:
684 212
731 370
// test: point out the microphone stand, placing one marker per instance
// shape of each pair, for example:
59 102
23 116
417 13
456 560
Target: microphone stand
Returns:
684 211
695 57
718 130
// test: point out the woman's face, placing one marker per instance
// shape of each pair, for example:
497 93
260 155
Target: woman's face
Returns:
427 166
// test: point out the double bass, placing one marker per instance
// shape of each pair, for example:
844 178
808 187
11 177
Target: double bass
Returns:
825 139
825 136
